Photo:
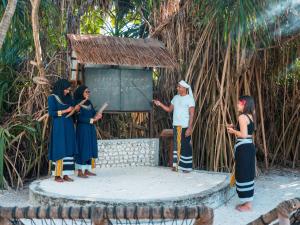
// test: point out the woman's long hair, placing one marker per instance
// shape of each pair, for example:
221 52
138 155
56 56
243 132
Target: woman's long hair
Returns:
78 95
249 107
58 89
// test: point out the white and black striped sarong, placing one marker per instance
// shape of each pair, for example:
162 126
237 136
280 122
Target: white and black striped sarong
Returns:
65 166
244 168
182 151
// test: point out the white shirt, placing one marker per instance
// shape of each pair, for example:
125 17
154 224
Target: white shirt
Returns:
181 114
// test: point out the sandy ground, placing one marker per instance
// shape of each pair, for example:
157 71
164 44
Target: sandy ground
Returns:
270 189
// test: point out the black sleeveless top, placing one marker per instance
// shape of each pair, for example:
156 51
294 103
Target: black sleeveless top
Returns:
250 126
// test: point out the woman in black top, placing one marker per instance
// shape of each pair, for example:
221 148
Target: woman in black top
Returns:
244 152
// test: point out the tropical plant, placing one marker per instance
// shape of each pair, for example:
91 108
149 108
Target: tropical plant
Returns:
226 49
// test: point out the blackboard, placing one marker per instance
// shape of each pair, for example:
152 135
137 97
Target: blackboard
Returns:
124 89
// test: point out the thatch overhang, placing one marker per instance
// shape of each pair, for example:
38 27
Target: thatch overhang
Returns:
108 50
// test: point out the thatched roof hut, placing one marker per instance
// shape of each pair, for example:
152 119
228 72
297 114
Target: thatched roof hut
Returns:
118 70
107 50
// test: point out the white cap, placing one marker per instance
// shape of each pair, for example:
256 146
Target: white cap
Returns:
186 85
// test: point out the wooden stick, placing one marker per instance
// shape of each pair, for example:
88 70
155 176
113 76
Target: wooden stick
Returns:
4 221
103 107
74 110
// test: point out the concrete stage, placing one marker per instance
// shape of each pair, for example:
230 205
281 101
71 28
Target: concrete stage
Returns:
136 186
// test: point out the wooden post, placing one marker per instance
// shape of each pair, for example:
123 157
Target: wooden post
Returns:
205 216
100 215
77 72
167 136
150 114
171 152
4 221
101 222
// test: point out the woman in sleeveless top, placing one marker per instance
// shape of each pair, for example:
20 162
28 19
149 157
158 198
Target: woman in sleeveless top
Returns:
62 146
86 133
244 152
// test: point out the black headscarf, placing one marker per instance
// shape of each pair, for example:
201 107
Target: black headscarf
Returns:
78 95
58 89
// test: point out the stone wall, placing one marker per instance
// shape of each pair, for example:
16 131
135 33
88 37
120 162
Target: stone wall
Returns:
128 152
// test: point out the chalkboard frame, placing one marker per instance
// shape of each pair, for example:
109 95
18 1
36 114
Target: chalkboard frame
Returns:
86 67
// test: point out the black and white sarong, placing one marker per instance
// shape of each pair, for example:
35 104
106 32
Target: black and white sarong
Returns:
182 152
245 168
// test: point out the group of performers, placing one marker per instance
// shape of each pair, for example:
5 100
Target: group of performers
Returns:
72 146
183 106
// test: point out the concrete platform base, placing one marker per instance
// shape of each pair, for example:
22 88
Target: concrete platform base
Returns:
136 186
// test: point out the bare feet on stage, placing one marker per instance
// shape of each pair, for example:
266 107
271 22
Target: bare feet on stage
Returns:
58 179
174 169
88 173
81 174
67 178
244 207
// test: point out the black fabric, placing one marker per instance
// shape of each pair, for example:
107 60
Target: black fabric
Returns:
245 169
186 152
58 89
250 126
78 94
70 166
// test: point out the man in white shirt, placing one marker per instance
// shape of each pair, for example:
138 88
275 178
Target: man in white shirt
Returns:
183 107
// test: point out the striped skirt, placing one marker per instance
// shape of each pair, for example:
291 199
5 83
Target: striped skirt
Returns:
244 169
62 167
182 152
88 165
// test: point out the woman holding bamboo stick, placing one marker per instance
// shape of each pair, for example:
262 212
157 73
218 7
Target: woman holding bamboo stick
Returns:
62 146
244 152
86 133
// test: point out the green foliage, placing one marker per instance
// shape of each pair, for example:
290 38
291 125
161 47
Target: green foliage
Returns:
5 137
52 24
253 22
19 41
18 45
92 21
290 74
126 18
3 90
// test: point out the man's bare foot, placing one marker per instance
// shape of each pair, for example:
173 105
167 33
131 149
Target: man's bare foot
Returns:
67 178
244 207
58 179
88 173
174 169
81 174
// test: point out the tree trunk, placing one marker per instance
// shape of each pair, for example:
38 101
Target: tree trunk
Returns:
35 29
6 19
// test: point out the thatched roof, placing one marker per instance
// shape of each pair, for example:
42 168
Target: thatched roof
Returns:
107 50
